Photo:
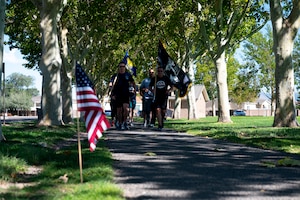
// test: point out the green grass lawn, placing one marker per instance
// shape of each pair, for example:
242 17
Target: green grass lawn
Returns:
54 152
252 131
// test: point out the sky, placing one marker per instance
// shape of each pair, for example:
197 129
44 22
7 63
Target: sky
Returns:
13 60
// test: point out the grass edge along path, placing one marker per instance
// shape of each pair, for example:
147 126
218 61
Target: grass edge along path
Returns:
251 131
52 153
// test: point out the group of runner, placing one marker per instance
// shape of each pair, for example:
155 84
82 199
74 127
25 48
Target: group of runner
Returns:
154 90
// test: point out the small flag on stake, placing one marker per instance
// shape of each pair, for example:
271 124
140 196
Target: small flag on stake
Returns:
87 101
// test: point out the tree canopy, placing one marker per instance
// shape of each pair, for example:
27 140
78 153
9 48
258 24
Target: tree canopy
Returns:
19 91
98 33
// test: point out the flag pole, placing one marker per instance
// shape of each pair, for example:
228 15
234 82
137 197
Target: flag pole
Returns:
79 148
155 79
78 138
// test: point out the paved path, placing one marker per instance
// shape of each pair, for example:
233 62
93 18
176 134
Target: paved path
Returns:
172 166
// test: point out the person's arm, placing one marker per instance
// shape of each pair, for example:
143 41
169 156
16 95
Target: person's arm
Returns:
111 85
170 90
142 86
151 85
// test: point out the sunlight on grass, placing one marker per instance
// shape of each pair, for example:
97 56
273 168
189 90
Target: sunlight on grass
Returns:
252 131
91 190
55 151
10 167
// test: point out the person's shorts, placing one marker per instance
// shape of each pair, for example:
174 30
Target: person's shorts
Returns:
120 100
147 105
161 103
132 103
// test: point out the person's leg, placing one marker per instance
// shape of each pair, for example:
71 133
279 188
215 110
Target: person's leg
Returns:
125 114
163 111
153 114
147 109
144 113
159 117
113 110
159 113
118 107
132 110
119 117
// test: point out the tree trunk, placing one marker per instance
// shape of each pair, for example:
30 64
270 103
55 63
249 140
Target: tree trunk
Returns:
284 33
50 64
272 100
177 106
2 24
66 77
285 115
213 105
191 104
67 97
222 88
192 114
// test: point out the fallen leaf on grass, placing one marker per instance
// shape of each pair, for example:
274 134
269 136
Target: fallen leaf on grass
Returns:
64 178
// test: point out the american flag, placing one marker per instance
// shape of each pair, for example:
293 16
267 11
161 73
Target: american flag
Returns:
87 101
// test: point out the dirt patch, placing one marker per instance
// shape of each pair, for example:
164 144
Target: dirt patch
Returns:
24 177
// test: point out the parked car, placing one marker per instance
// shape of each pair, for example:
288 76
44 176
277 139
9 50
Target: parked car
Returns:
239 113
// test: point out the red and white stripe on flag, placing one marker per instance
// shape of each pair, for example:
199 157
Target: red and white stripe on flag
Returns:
87 99
96 123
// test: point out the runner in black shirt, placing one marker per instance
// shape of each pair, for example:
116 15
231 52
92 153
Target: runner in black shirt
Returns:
162 87
120 93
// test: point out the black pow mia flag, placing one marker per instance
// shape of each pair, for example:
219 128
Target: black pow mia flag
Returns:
178 77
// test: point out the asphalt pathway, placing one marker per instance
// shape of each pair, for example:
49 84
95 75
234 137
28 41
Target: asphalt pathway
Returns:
170 166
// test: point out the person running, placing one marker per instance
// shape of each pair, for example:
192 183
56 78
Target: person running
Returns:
147 99
162 88
120 93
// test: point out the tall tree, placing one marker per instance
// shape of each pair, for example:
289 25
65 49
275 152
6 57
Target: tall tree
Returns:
19 92
223 25
260 61
285 25
17 82
246 86
50 65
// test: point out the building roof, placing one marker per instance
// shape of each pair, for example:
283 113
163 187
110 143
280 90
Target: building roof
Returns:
200 89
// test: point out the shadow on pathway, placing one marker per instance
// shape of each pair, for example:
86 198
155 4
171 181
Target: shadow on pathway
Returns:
169 165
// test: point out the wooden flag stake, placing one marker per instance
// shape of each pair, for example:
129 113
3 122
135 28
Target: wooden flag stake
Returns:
79 149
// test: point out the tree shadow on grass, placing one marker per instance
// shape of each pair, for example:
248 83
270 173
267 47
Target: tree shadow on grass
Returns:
55 151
